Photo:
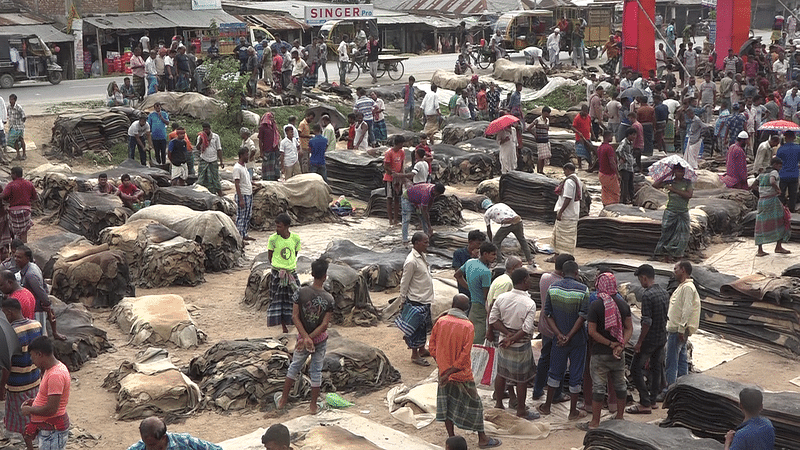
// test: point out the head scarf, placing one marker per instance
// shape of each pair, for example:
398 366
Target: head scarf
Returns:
268 136
606 289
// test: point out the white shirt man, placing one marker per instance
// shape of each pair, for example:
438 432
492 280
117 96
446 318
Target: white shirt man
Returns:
516 310
145 41
780 66
420 171
245 183
344 53
532 54
289 150
430 104
209 154
574 208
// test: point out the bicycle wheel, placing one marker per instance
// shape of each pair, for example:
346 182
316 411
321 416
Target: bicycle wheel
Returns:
397 70
353 71
381 71
482 61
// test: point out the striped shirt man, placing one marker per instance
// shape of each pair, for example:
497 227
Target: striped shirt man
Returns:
567 300
24 374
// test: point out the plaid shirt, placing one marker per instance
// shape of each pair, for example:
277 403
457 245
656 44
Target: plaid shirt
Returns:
181 441
655 301
16 117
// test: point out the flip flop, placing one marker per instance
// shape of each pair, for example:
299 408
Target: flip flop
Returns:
421 362
491 444
531 415
581 415
634 409
539 408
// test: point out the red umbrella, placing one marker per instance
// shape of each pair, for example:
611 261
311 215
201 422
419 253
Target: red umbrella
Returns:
779 125
500 123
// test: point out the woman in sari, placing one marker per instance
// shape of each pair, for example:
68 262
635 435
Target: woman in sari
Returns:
771 223
269 140
675 224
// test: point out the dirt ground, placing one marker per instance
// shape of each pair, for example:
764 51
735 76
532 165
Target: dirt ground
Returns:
221 315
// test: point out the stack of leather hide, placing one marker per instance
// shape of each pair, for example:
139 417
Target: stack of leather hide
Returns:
626 434
195 197
305 198
86 213
353 173
533 197
91 274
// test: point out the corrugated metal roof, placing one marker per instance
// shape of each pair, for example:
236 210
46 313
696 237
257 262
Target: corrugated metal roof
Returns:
196 19
465 7
130 21
48 33
297 10
274 22
22 19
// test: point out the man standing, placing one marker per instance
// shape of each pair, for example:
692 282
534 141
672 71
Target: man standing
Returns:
649 349
512 314
671 38
694 137
393 162
290 159
21 383
610 327
365 106
474 240
373 50
137 69
408 104
31 279
419 197
153 432
430 109
16 125
48 411
708 97
178 155
10 287
457 399
144 41
609 172
510 222
476 276
683 319
19 194
596 112
344 59
661 60
416 295
736 164
789 153
568 209
244 193
554 46
582 126
210 149
565 308
304 132
158 121
317 146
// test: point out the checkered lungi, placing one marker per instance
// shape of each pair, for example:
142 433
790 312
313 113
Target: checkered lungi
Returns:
460 404
543 150
282 288
379 129
415 322
15 134
516 363
13 420
269 167
19 221
243 215
208 175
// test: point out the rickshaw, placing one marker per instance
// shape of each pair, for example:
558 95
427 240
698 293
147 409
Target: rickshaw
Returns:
333 30
522 29
26 57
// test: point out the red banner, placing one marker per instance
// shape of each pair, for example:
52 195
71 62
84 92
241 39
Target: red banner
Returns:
638 35
733 27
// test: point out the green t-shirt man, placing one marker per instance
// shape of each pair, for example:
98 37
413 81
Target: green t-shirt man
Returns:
284 251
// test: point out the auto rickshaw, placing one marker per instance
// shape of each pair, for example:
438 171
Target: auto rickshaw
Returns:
26 57
333 30
521 29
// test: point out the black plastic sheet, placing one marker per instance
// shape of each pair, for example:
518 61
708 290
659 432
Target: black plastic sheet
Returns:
197 200
626 434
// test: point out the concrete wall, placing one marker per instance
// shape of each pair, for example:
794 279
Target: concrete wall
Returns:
172 4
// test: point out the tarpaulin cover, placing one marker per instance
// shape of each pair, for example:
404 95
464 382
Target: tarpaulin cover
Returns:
157 320
84 340
157 256
626 434
733 27
638 35
91 274
86 213
531 76
152 385
709 407
216 232
195 197
185 103
533 197
305 198
353 305
381 269
353 173
446 209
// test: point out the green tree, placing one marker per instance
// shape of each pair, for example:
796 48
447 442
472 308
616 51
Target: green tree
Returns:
229 86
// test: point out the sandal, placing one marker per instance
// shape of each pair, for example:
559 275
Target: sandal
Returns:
530 415
638 409
421 362
491 444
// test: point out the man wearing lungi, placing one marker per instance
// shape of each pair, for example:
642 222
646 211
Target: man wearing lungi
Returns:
16 125
19 193
568 209
21 383
282 248
137 64
512 315
457 399
416 293
210 148
430 108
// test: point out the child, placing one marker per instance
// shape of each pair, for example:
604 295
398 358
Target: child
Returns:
756 432
455 443
482 103
276 437
452 104
423 144
48 411
379 123
393 163
282 247
311 314
351 132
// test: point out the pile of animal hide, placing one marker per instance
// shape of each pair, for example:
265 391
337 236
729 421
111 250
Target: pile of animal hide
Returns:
626 434
91 274
471 202
629 229
561 151
446 209
455 240
558 118
84 340
45 248
709 407
748 226
531 76
86 213
490 188
185 103
195 197
353 305
152 385
93 131
448 80
354 174
533 197
458 130
454 164
157 256
156 320
305 198
214 230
